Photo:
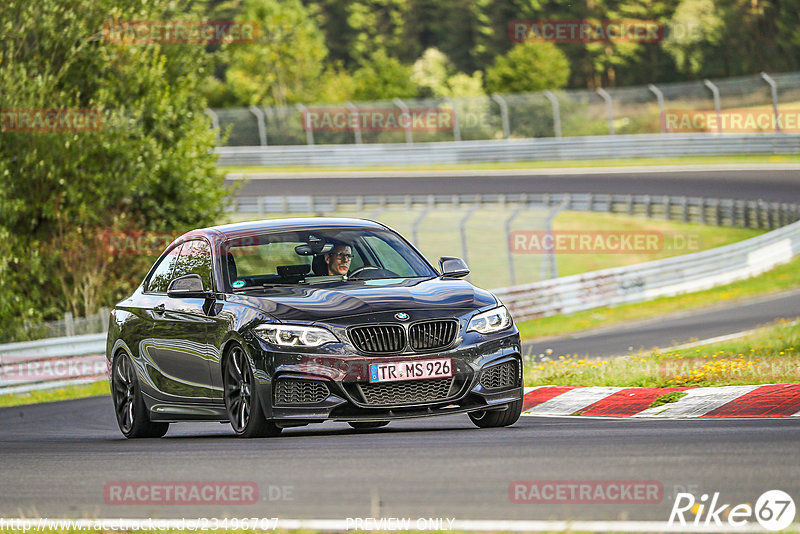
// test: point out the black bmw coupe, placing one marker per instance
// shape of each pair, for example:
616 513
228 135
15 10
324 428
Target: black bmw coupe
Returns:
282 323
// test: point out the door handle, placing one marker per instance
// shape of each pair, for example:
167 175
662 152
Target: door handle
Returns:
159 309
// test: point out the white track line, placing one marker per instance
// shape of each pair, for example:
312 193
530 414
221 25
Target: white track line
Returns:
571 401
698 401
348 524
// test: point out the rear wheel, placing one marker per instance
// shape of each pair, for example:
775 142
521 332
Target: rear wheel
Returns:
364 425
241 398
132 416
495 418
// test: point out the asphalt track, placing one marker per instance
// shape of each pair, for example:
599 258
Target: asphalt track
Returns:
722 182
57 459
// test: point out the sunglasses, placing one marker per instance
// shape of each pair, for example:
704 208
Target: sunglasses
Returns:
343 256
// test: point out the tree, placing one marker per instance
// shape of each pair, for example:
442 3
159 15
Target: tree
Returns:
382 77
529 66
435 75
284 65
147 164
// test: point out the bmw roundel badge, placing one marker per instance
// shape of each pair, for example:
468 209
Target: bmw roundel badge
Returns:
401 316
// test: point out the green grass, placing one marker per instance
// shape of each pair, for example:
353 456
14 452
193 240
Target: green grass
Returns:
770 355
667 398
95 389
783 277
553 164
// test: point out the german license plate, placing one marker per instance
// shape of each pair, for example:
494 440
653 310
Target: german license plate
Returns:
411 370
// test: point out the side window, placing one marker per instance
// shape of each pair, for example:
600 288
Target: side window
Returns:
195 258
162 275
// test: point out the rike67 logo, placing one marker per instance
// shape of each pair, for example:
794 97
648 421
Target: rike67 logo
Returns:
774 510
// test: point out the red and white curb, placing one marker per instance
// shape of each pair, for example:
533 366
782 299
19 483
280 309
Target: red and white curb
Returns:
773 400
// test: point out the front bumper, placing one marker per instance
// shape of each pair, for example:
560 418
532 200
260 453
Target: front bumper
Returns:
345 374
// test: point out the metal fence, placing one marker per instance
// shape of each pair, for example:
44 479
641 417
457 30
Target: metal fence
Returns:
567 113
510 150
646 281
712 211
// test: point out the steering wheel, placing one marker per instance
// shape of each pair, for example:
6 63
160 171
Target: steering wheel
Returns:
355 273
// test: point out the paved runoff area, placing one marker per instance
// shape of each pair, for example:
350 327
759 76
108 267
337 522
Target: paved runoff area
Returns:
772 400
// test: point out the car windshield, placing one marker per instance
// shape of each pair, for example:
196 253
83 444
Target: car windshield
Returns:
319 256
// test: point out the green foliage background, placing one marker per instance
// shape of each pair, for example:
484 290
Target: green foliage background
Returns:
149 167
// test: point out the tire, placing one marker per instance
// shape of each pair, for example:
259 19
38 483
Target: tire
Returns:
242 402
366 425
132 416
494 418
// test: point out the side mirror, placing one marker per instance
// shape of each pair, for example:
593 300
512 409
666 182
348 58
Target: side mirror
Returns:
187 286
453 267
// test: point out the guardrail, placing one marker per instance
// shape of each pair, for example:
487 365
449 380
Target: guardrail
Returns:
54 362
507 150
646 281
713 211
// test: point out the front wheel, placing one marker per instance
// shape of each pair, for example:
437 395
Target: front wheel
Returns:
132 416
241 398
494 418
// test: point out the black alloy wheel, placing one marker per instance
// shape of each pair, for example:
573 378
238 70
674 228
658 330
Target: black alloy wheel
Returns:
241 398
497 418
132 416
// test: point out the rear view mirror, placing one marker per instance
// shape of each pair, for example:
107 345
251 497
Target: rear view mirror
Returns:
453 267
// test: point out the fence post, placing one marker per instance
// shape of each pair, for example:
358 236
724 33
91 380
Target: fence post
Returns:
556 112
715 93
609 108
357 125
456 123
773 89
262 128
104 317
685 206
402 105
307 127
415 225
503 114
69 324
214 122
462 227
550 262
660 98
511 271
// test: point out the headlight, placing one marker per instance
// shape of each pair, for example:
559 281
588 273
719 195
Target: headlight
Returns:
287 335
490 321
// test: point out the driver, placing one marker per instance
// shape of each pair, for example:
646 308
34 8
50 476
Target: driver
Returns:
338 260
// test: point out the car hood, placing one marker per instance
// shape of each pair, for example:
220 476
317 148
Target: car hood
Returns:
341 299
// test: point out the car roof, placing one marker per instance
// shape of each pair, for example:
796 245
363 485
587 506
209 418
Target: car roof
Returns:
229 231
